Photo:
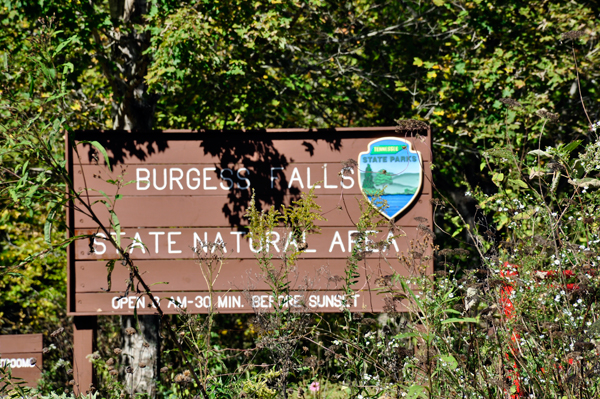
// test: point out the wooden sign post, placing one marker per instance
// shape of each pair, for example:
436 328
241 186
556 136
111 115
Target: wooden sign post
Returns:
23 354
174 192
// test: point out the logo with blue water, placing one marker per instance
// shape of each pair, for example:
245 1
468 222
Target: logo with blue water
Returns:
391 175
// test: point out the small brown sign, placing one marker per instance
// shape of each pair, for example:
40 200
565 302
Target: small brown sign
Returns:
23 355
179 191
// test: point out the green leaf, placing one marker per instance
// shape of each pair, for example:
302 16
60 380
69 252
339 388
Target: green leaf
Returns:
450 311
100 148
438 3
116 225
48 227
464 320
539 153
418 62
555 180
415 391
62 45
571 146
407 335
497 178
458 231
585 182
450 361
518 183
110 266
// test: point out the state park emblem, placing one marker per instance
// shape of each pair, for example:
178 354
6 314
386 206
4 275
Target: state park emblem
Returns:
391 175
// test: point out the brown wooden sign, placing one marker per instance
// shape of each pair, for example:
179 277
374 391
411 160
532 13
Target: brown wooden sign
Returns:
179 191
23 355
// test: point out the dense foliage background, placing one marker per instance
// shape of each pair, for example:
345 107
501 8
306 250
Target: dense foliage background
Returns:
215 65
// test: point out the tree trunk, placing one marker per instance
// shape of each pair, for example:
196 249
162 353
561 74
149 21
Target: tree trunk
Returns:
140 354
133 109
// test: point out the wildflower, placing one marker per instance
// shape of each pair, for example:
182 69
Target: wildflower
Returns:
314 387
572 35
511 103
57 332
542 113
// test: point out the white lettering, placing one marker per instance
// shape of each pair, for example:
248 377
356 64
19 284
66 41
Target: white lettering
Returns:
17 363
238 234
325 178
350 240
175 179
252 246
219 240
156 234
255 301
206 179
195 179
164 177
304 240
171 242
137 242
308 179
182 302
392 241
114 234
273 178
230 185
96 243
291 240
296 176
337 240
243 178
222 302
344 178
274 241
140 179
202 243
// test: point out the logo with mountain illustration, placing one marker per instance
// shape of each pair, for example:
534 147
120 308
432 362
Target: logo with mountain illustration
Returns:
391 175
